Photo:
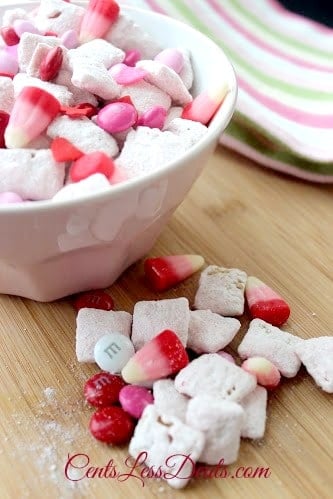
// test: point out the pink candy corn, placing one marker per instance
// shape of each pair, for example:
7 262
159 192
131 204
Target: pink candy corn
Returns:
132 57
117 117
154 117
10 198
172 58
100 15
33 111
266 372
126 75
205 105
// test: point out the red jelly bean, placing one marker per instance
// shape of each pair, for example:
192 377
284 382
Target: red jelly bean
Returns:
102 389
94 299
9 36
112 425
4 118
89 164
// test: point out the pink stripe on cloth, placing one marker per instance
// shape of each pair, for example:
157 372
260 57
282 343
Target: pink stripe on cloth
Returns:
155 6
274 4
274 164
262 44
290 113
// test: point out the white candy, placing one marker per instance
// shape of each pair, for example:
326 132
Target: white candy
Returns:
58 16
145 96
30 173
82 132
191 132
6 94
264 340
127 35
167 80
92 324
91 185
22 80
221 290
167 441
168 401
221 422
209 332
254 406
28 44
112 352
317 356
152 317
211 374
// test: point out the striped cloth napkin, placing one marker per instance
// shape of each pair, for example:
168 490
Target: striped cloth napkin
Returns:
284 66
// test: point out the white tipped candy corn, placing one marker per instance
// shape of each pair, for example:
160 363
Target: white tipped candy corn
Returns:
100 15
33 111
112 352
205 105
266 372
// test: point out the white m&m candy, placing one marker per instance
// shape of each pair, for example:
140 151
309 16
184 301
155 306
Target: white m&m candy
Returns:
113 351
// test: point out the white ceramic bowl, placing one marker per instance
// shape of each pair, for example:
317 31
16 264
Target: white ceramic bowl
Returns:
49 250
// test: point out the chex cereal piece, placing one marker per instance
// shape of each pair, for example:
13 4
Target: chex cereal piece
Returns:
12 15
174 112
84 134
97 51
58 16
136 37
6 94
95 78
40 52
190 131
167 80
148 149
221 290
60 92
168 401
145 96
221 423
91 185
162 437
209 332
92 324
41 142
187 74
79 95
317 356
152 317
254 406
28 44
211 374
31 174
270 342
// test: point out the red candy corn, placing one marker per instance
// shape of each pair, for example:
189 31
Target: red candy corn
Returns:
164 272
4 118
265 304
33 111
9 36
163 356
89 164
205 105
94 299
102 389
99 17
51 64
63 150
112 425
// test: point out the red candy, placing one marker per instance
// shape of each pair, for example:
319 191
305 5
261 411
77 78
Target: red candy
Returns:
94 299
51 64
112 425
89 164
266 304
4 118
83 109
9 36
63 150
102 389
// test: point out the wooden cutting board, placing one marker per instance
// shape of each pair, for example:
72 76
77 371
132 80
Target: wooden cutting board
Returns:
274 227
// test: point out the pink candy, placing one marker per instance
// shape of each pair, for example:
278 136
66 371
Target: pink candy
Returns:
70 39
8 63
172 58
126 75
134 399
10 198
153 118
117 117
23 26
132 57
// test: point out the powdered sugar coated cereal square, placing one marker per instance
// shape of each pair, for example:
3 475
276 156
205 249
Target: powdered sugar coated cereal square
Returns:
84 134
152 317
221 291
97 51
167 80
145 96
168 401
174 113
254 406
135 37
209 332
40 52
79 95
264 340
211 374
221 423
28 44
6 94
60 92
92 324
91 185
94 78
166 441
317 356
58 16
187 74
191 132
30 173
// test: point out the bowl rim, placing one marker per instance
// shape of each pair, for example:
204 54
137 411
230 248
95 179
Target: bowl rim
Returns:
216 127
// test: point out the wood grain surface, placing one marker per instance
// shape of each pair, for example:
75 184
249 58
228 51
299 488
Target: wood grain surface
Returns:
274 227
